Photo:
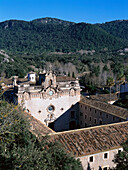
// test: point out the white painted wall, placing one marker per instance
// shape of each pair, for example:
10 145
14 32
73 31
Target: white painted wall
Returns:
99 160
37 104
32 77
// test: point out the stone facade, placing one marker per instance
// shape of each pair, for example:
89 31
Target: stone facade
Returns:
94 112
101 160
91 116
49 98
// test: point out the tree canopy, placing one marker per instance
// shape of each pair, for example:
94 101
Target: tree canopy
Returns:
20 149
121 159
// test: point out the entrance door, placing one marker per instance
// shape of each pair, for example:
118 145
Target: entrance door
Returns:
72 125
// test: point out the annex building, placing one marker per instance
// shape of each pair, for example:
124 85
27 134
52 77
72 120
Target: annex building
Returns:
94 146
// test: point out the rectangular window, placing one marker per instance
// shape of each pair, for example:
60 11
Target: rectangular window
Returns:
85 124
105 168
106 115
113 118
90 118
85 116
85 107
81 114
119 151
91 159
100 113
105 155
95 121
101 122
95 111
72 114
90 109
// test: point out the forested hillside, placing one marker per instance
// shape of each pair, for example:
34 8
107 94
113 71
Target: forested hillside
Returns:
72 48
117 28
55 35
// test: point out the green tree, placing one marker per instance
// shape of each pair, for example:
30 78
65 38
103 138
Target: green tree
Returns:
105 68
121 159
110 84
120 80
20 149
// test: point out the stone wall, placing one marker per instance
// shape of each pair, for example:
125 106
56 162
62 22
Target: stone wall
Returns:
98 161
91 116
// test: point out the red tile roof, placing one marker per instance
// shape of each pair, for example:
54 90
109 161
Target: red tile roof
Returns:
93 140
37 127
64 78
104 97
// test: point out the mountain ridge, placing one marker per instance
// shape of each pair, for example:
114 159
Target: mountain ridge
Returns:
55 35
33 44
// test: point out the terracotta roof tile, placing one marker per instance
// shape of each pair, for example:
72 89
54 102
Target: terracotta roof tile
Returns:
105 97
93 140
37 127
64 78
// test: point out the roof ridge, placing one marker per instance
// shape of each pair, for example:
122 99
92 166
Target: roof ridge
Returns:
89 128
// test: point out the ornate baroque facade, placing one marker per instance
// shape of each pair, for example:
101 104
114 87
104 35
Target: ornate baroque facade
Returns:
49 96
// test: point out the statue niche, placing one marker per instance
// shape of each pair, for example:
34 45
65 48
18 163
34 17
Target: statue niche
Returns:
72 92
50 82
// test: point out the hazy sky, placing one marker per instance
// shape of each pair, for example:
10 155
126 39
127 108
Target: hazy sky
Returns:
90 11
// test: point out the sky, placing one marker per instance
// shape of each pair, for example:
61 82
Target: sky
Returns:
89 11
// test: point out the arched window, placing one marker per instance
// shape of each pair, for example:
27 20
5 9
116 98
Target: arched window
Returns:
50 82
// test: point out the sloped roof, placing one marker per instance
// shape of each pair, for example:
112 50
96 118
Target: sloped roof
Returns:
37 127
111 109
92 140
105 97
64 78
6 81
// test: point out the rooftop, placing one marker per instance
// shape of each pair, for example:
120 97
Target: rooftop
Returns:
64 78
104 97
37 127
105 107
93 140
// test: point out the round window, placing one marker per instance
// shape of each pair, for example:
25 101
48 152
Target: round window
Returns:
50 92
51 108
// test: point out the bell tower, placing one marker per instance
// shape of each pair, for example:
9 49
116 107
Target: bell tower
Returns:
50 78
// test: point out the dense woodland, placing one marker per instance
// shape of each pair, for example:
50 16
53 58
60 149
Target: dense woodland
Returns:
72 48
